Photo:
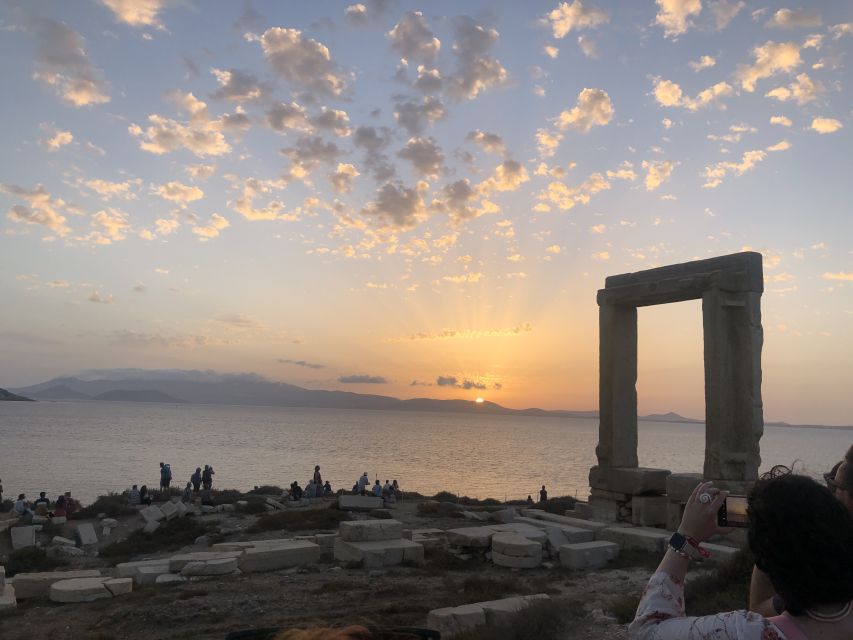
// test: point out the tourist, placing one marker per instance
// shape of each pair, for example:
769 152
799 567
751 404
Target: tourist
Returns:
800 537
1 490
529 499
188 493
144 496
71 505
295 491
543 495
318 480
377 489
398 495
363 483
310 490
165 480
387 490
327 489
763 598
207 477
133 497
59 508
42 505
196 479
22 507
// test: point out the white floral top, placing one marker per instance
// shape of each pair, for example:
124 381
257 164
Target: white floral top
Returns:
661 616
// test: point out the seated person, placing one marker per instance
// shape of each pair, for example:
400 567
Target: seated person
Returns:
42 505
327 489
377 489
188 493
22 507
71 505
295 491
59 508
133 497
800 537
144 496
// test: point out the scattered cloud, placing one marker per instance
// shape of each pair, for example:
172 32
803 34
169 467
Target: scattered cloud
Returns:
675 15
714 174
415 115
705 62
770 58
459 383
840 30
179 193
490 142
200 171
724 11
397 205
412 38
41 209
570 16
476 72
669 94
302 363
238 321
98 298
550 51
842 276
136 13
565 197
826 125
56 138
362 379
789 19
593 108
249 190
781 121
356 15
110 225
201 135
657 172
782 145
802 90
547 142
588 47
473 276
238 86
211 230
425 155
343 177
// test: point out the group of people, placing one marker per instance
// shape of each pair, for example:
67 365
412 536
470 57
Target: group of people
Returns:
64 506
200 484
390 491
801 536
314 488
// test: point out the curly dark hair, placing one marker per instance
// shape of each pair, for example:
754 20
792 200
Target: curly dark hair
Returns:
801 538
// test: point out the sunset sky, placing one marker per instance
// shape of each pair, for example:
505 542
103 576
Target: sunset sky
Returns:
422 199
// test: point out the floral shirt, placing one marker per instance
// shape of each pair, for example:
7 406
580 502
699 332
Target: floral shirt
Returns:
661 616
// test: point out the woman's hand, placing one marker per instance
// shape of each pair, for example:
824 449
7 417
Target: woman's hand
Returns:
700 518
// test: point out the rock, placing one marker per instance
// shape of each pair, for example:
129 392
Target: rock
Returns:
151 526
169 578
523 529
566 520
40 520
581 511
649 511
112 523
473 515
599 617
37 585
501 612
379 553
242 504
480 537
130 569
105 532
23 537
512 544
275 504
63 541
283 554
588 555
169 510
228 508
148 575
203 541
679 486
381 514
627 537
505 516
80 590
59 520
556 539
214 567
368 530
67 551
451 621
206 509
152 514
182 509
517 562
177 562
359 503
119 586
7 598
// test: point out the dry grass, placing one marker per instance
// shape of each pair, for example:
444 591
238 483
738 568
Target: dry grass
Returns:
172 535
724 588
301 520
31 560
541 620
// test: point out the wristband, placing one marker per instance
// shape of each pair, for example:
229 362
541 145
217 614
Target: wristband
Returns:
678 543
696 545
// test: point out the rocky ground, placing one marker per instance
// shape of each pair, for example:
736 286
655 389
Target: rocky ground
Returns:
324 594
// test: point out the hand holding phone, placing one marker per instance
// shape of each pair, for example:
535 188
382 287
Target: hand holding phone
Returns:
732 512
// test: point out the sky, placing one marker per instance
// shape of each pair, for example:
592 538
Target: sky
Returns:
422 199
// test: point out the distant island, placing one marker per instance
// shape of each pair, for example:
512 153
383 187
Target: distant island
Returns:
206 387
8 396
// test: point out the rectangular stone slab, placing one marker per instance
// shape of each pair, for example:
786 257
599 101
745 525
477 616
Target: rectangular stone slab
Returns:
499 612
479 537
359 503
152 514
451 621
632 480
679 486
588 555
37 585
370 530
177 562
516 562
567 520
379 553
119 586
148 575
7 598
651 540
23 537
86 534
510 543
285 554
169 510
79 590
130 569
216 567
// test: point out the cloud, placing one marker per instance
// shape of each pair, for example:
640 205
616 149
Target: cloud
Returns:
43 210
566 197
238 321
139 287
397 206
62 63
211 229
110 226
724 11
471 276
178 192
59 284
373 141
547 142
136 13
57 138
490 142
826 125
425 155
356 15
414 115
475 71
802 91
669 94
569 16
428 80
458 199
593 108
141 340
108 190
788 19
705 62
202 135
362 379
840 30
453 381
342 178
588 47
554 248
657 172
237 86
624 172
840 276
781 121
714 174
301 61
166 227
333 120
782 145
674 15
551 52
307 154
412 38
98 298
770 58
509 175
301 363
250 189
467 334
200 171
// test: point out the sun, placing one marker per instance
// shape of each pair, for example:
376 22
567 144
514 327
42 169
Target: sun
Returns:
479 401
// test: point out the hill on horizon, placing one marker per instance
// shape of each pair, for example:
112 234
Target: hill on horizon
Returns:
8 396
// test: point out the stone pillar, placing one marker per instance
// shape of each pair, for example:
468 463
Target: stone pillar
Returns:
617 429
734 421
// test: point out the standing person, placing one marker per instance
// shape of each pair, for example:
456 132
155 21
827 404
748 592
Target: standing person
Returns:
799 535
165 479
71 505
543 495
207 477
1 490
327 489
398 495
377 489
133 497
363 483
318 479
196 479
59 508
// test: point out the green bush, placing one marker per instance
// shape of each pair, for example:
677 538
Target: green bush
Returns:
171 535
113 504
299 520
31 560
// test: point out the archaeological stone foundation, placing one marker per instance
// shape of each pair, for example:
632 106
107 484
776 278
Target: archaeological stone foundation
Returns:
730 288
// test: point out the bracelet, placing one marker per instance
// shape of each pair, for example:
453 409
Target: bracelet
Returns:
692 542
680 552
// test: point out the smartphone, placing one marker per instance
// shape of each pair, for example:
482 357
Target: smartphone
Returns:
732 513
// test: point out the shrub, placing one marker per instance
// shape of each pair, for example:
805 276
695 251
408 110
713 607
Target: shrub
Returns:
558 505
113 504
255 505
428 508
445 496
31 560
724 588
299 520
6 506
266 490
226 496
172 535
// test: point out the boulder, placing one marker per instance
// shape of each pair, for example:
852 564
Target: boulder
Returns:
379 553
177 562
182 509
151 526
80 590
130 569
86 534
169 510
370 530
478 537
286 553
152 514
169 578
451 621
37 585
588 555
63 541
517 562
148 575
505 516
23 537
524 529
119 586
509 543
112 523
214 567
500 612
67 551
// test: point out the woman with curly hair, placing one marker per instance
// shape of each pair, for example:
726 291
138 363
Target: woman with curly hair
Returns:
801 537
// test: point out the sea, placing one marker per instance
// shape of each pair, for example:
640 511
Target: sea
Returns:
91 448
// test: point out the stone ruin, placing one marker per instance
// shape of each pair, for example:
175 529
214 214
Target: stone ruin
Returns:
730 288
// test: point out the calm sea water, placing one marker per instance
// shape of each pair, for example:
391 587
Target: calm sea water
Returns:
92 448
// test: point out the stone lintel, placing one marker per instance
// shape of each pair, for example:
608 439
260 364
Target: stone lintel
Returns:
629 480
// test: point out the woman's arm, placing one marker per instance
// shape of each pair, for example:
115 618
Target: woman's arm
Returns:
762 594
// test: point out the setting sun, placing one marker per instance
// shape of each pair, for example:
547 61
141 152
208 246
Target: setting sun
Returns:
479 401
